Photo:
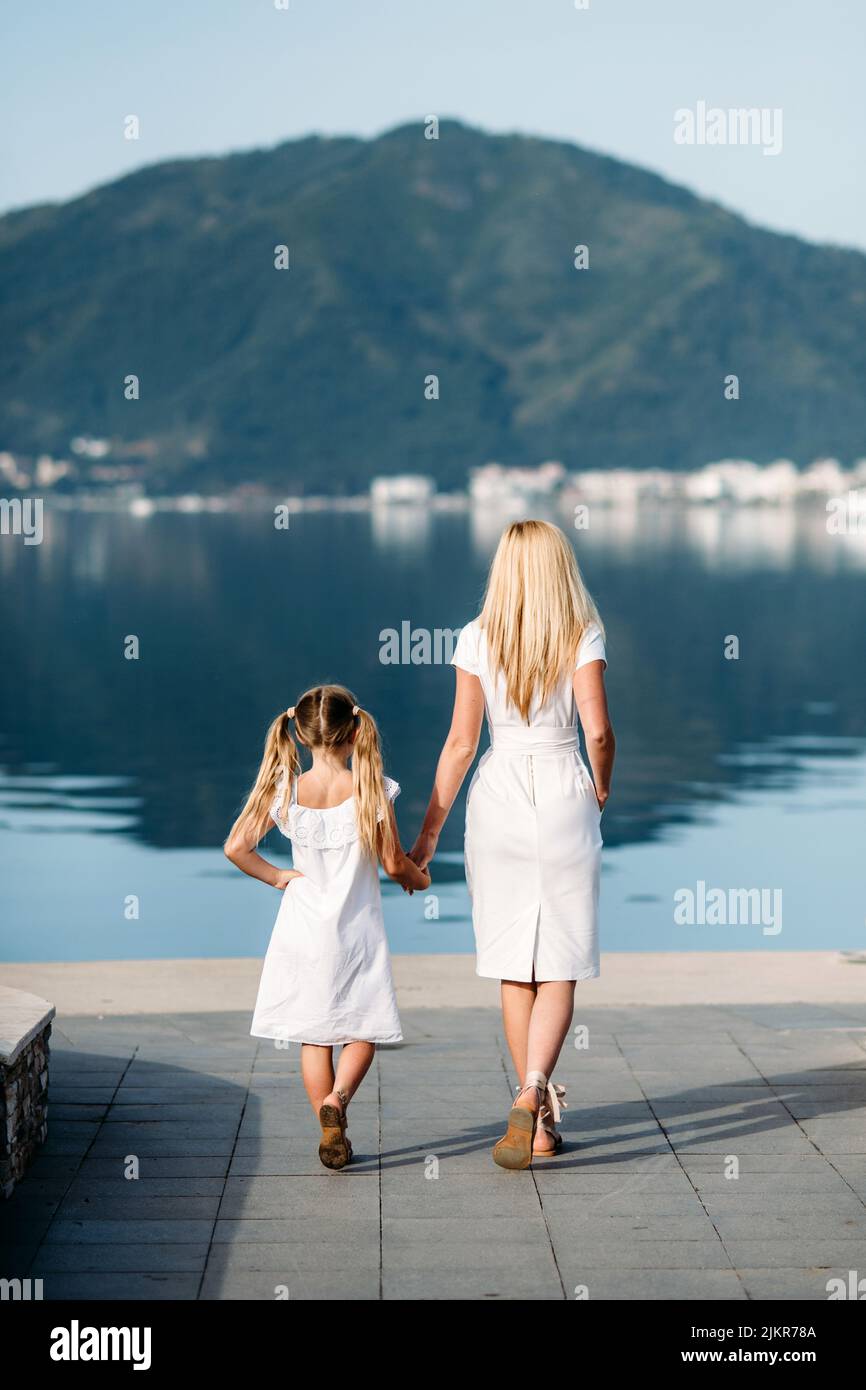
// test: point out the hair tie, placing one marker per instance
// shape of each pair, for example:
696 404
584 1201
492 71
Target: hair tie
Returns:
356 709
291 711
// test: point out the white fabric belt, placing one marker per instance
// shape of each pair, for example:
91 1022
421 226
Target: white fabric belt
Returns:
511 738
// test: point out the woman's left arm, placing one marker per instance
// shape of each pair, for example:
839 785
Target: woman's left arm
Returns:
591 699
459 749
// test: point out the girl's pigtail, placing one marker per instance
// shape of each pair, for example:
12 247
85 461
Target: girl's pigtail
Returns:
368 784
280 766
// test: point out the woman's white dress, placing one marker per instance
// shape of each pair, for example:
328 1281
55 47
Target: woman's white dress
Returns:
533 842
326 977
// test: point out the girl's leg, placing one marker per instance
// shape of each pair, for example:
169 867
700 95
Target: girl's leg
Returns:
518 997
317 1071
354 1063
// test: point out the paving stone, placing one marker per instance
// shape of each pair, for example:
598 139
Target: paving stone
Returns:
77 1110
188 1257
157 1165
203 1115
149 1288
792 1225
300 1163
447 1259
459 1195
110 1144
575 1254
111 1232
513 1280
632 1202
790 1285
16 1257
632 1183
839 1203
637 1286
481 1234
260 1197
309 1255
794 1252
345 1285
133 1205
593 1226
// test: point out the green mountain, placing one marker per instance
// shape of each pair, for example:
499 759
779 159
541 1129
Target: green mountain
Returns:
411 257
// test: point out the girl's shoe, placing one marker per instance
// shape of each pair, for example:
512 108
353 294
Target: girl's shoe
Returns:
514 1149
335 1150
549 1114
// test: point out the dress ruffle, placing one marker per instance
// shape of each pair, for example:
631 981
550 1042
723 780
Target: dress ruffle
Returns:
328 828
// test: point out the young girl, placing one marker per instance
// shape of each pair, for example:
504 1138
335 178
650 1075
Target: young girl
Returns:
326 980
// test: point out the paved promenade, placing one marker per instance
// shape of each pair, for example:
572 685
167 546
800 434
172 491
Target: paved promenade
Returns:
665 1101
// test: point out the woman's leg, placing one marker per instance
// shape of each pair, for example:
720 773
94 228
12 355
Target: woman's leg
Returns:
548 1028
518 997
549 1023
354 1063
317 1071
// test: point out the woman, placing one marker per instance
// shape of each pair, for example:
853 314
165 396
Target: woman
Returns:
533 843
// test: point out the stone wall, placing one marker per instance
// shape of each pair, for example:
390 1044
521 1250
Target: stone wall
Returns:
25 1027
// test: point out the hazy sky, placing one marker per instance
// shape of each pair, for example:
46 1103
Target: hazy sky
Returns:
207 76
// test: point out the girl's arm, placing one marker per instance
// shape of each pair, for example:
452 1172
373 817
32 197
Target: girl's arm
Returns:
398 865
459 749
240 848
591 698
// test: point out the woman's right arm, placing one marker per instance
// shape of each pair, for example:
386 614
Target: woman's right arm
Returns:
456 757
240 848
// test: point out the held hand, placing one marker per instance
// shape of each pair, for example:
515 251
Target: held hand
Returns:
424 848
418 887
285 876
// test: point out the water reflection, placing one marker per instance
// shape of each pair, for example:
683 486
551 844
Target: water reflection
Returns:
235 618
401 528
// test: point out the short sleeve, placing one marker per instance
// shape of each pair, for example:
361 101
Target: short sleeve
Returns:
392 791
280 820
466 652
591 647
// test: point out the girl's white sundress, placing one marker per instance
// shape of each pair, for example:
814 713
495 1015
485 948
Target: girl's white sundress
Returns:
533 842
326 977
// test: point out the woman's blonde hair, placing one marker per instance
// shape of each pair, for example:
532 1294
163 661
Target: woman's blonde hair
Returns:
326 717
536 610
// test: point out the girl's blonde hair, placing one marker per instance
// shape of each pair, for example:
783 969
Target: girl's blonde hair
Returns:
536 610
326 717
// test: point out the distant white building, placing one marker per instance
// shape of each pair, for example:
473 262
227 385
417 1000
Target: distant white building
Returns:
494 483
402 490
49 470
88 447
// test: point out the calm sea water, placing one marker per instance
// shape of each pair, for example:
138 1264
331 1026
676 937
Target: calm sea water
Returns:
120 778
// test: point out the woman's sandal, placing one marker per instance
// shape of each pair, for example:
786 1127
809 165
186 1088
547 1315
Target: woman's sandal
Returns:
514 1149
335 1150
549 1115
